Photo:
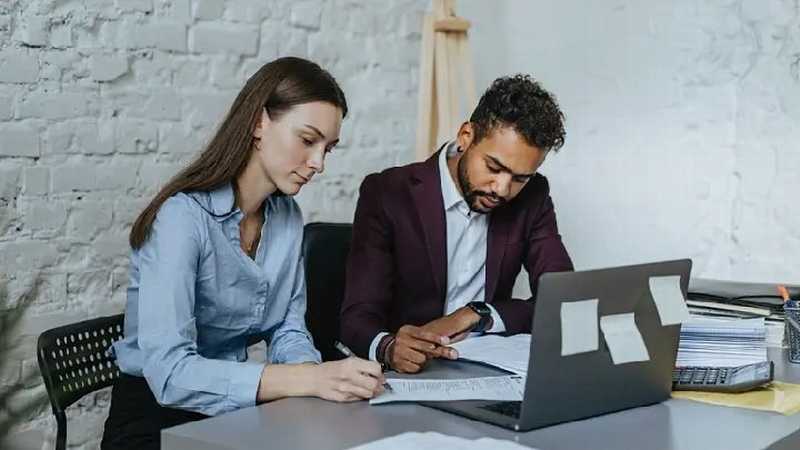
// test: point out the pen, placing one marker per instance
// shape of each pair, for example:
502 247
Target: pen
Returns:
349 353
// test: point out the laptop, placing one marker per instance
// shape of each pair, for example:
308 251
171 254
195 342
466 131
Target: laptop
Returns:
565 388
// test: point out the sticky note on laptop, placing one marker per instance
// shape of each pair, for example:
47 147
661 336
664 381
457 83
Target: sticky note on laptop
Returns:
622 336
667 295
579 332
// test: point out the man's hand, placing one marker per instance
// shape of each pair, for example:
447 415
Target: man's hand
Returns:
413 347
455 325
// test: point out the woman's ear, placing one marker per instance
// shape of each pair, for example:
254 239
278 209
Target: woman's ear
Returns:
262 122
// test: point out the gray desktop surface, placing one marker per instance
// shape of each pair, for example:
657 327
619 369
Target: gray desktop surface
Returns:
309 423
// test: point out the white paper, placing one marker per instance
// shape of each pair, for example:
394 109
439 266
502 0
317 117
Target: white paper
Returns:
667 294
509 353
722 342
436 441
510 388
579 332
623 338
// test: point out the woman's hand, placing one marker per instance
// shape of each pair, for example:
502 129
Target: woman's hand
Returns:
348 380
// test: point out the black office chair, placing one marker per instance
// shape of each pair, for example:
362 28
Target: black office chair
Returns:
325 248
74 362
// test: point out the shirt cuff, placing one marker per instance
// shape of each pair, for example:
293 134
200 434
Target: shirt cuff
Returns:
498 326
373 347
243 388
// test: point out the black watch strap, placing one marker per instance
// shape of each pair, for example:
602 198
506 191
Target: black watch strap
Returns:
483 310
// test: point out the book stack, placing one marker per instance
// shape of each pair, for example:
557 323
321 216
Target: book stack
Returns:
722 341
735 300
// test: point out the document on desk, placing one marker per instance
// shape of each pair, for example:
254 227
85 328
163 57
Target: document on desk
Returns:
432 440
667 295
579 332
509 387
622 336
508 353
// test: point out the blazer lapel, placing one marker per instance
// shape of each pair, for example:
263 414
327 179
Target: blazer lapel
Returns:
427 193
495 249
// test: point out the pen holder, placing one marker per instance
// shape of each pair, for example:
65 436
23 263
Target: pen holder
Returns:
792 330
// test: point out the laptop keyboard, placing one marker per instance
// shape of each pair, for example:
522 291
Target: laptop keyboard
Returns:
510 409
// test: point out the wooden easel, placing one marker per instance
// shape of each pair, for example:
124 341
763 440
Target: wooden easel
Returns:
446 82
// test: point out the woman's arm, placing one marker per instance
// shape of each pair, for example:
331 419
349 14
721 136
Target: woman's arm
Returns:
177 374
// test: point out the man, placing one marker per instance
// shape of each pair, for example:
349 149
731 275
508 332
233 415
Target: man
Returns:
438 245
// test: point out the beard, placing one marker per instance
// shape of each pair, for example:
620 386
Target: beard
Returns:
471 194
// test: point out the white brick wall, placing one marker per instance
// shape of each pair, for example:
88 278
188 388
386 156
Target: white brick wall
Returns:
102 100
682 126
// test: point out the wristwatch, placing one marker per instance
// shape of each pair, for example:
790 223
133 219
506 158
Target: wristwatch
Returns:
485 312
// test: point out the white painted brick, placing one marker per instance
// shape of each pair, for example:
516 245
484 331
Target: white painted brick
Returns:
180 139
213 38
110 249
108 67
135 136
9 373
57 64
17 66
26 404
34 30
79 136
153 175
208 9
192 73
178 10
40 216
225 73
72 178
135 5
206 110
154 69
5 27
306 14
162 105
27 254
127 208
6 107
93 284
61 36
118 175
169 36
37 181
87 218
30 374
56 105
248 11
9 186
19 139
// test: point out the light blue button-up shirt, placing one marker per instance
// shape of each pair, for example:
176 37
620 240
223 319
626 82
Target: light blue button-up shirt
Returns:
196 301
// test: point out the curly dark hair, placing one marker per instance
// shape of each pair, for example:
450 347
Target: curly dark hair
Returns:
521 103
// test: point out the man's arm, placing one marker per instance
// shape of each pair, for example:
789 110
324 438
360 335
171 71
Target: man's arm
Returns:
546 253
369 273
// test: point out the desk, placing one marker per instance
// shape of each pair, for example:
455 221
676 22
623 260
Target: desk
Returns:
309 423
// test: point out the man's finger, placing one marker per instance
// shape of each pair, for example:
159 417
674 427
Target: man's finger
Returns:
428 336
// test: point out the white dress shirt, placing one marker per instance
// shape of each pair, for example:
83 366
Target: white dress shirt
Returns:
467 233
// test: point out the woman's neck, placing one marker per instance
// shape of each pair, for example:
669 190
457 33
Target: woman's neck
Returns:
253 187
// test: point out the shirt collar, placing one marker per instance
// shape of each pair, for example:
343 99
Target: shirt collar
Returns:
222 200
450 194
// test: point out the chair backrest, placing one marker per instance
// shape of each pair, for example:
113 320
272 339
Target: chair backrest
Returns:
74 359
325 249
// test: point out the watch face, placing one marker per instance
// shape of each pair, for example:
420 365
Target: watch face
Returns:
481 308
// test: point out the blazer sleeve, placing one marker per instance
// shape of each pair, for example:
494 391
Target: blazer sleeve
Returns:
370 271
546 253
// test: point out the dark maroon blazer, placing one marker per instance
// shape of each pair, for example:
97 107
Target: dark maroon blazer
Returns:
397 266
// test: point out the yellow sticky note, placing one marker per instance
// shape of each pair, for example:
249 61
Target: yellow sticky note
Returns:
777 396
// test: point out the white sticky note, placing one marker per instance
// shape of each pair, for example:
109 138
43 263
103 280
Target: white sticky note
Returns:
579 327
667 294
624 341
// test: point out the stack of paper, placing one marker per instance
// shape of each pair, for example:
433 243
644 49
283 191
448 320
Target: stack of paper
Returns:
437 441
502 388
723 342
509 353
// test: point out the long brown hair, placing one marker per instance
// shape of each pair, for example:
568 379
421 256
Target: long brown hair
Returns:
277 86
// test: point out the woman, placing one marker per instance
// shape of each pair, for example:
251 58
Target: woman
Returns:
216 265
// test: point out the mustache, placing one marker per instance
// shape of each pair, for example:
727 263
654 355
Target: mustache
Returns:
494 197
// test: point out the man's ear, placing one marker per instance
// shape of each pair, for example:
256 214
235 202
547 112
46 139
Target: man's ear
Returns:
263 120
465 136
